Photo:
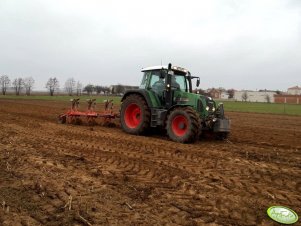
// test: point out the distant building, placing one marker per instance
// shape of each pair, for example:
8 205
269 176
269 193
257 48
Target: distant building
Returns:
219 93
224 95
214 93
254 96
296 90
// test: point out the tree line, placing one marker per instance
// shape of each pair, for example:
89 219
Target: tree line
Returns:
18 84
71 86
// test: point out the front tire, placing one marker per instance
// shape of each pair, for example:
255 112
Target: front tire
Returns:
134 115
183 125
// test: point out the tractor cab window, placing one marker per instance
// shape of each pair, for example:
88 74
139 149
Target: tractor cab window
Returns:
155 78
145 80
179 82
157 84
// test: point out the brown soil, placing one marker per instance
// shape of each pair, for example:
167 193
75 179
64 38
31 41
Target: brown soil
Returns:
52 174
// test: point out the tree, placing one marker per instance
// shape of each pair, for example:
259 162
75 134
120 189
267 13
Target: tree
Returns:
231 93
52 85
89 89
268 98
106 90
70 86
79 88
18 85
28 84
118 89
4 83
98 89
244 96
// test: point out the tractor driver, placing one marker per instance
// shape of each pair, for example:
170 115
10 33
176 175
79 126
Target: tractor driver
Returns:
159 86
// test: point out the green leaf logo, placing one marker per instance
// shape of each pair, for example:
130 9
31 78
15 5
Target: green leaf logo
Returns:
282 214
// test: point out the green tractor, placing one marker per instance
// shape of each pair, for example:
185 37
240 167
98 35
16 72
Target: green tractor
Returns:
165 100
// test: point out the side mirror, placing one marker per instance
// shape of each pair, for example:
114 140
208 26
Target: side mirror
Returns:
198 82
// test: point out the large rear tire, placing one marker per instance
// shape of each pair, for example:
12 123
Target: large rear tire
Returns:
183 125
134 115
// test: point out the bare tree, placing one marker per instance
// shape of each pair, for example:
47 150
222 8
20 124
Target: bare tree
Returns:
268 98
89 89
18 85
244 96
70 86
4 83
52 85
106 90
79 87
28 84
98 89
231 93
118 89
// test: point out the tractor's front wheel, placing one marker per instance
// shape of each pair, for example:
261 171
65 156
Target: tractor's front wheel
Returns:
183 125
134 115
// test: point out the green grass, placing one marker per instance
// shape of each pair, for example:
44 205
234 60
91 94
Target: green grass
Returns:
272 108
99 99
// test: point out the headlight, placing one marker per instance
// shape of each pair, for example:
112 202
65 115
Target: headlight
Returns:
207 108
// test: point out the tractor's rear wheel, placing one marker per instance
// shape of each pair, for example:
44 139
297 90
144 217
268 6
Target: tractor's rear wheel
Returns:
134 115
183 125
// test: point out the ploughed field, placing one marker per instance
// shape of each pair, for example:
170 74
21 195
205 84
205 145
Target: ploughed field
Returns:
53 174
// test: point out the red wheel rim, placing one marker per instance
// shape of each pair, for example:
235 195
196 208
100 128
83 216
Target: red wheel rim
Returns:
179 125
132 116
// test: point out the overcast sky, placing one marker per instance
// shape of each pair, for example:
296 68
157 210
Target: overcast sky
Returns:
242 44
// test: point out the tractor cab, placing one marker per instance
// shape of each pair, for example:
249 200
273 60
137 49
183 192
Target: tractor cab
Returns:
180 78
168 83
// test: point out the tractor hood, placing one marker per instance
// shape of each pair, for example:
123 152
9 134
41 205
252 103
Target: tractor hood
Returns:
204 105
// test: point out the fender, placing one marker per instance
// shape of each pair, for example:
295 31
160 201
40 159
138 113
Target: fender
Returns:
140 92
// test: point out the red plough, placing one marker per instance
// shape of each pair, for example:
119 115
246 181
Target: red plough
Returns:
75 116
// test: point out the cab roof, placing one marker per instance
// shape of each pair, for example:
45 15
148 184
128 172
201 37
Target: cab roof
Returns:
159 67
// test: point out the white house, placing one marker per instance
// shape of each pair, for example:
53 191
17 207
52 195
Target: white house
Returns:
254 96
296 90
